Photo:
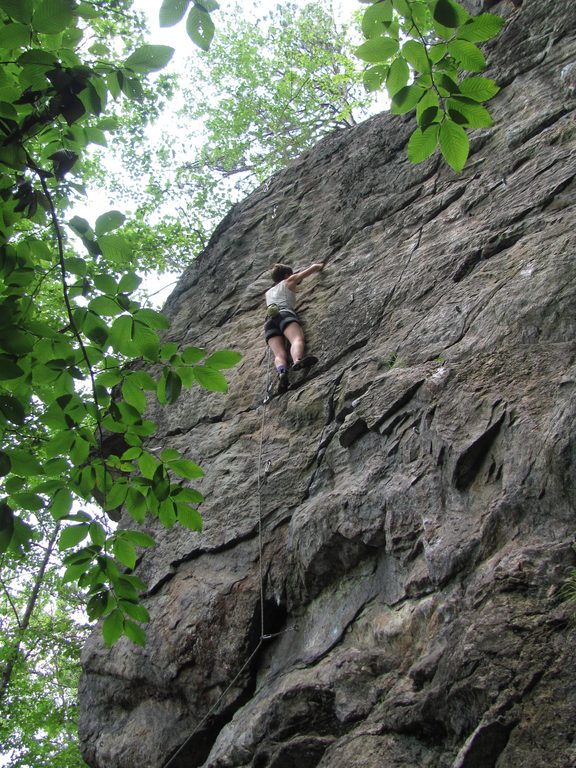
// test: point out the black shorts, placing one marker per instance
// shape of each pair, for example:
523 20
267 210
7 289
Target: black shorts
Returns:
274 326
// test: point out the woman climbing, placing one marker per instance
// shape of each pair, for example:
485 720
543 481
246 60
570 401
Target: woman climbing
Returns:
282 322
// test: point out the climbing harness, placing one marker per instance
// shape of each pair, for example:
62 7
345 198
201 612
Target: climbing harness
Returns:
262 476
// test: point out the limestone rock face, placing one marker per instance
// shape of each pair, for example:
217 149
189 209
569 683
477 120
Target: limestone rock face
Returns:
416 491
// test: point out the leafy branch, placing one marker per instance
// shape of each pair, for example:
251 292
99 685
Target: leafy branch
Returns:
419 50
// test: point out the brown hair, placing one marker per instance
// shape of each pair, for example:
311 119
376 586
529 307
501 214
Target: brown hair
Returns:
281 272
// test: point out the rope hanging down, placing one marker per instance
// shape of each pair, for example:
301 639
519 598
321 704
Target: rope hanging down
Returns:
263 636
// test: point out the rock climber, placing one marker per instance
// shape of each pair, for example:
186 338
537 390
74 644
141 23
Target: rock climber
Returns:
282 322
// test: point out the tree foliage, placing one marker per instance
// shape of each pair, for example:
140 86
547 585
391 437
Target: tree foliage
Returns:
70 320
40 642
421 50
265 91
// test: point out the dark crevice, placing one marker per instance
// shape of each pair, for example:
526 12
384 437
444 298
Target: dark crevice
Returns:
470 460
196 750
537 127
198 553
493 247
488 743
398 403
450 198
348 351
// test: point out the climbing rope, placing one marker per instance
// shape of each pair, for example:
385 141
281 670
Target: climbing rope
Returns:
263 636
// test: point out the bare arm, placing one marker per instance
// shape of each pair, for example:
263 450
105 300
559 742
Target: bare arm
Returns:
297 277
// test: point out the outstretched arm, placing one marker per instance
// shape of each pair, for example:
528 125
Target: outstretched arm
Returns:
297 277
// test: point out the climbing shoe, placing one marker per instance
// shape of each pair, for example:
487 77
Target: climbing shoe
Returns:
282 383
305 363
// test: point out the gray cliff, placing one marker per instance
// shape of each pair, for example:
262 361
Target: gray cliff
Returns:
417 491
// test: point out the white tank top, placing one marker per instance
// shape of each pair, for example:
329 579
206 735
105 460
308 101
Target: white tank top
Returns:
281 295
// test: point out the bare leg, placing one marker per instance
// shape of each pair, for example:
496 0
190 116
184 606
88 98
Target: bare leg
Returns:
278 347
295 336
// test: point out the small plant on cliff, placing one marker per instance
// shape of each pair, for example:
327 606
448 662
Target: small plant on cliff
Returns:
420 51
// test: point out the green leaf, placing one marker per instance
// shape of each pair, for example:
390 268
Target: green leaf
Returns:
186 469
200 27
167 513
467 55
480 28
173 387
474 115
134 395
172 11
454 144
97 605
109 221
52 16
149 58
9 369
146 341
95 135
73 535
12 409
190 495
189 517
59 444
374 76
169 454
97 534
161 484
478 88
143 379
75 266
20 10
377 49
124 552
139 538
190 355
14 36
449 13
116 248
148 465
129 282
152 318
406 99
207 5
135 611
225 358
135 633
6 526
30 501
80 451
398 76
5 465
402 7
24 463
113 627
428 109
136 505
116 496
376 18
415 53
105 305
105 283
210 379
445 84
121 336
